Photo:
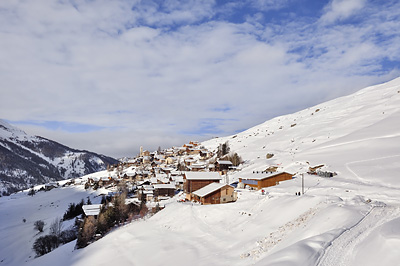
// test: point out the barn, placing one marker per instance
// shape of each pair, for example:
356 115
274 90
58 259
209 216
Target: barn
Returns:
215 193
259 180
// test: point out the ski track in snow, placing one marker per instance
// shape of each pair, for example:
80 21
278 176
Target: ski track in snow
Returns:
340 250
362 181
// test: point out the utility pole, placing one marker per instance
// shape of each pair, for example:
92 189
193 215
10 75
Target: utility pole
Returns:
302 184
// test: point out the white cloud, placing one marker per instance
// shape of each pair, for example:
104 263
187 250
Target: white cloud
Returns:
149 73
341 9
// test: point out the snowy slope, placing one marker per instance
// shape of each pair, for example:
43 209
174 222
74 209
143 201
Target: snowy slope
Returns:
30 160
17 237
345 134
350 219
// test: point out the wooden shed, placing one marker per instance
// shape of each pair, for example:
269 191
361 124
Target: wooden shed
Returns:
259 180
215 193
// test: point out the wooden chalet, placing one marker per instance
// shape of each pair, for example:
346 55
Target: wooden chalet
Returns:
92 210
189 161
221 165
194 143
193 151
197 167
215 193
259 180
164 190
50 186
205 154
167 170
196 180
170 160
105 181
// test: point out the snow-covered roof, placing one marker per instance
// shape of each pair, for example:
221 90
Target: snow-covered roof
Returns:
178 178
260 176
210 188
169 186
148 187
198 165
202 176
161 175
224 162
131 171
93 209
167 168
135 201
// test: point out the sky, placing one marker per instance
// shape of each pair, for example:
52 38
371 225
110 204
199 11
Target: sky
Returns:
111 76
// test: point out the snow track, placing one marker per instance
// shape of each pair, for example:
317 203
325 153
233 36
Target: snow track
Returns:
340 250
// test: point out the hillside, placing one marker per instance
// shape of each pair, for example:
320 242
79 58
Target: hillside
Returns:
352 218
357 136
31 160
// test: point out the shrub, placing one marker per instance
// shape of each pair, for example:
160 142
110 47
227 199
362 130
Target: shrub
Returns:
31 192
67 235
39 225
45 244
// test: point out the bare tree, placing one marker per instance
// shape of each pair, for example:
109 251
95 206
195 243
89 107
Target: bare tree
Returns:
223 149
56 227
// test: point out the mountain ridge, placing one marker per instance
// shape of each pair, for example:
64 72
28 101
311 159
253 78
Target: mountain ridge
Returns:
31 160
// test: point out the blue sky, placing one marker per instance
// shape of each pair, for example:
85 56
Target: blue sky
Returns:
111 76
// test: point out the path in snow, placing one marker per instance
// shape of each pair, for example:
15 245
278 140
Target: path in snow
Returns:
340 250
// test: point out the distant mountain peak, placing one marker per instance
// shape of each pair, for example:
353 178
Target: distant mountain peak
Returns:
31 160
7 130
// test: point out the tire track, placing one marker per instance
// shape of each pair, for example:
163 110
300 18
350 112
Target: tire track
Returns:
339 252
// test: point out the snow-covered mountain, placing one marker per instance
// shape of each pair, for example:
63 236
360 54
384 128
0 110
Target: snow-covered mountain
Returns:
30 160
356 135
350 219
